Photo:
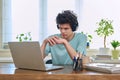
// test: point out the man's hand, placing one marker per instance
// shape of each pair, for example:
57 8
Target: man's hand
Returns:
58 40
55 40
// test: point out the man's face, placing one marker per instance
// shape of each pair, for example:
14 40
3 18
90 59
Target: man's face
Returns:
66 30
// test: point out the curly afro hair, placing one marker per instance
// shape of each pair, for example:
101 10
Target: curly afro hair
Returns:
69 17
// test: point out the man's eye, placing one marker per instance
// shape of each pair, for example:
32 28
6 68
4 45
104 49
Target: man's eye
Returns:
66 28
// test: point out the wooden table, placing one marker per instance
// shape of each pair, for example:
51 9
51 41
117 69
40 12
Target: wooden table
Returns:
9 72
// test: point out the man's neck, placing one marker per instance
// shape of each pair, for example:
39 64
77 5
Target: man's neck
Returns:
71 37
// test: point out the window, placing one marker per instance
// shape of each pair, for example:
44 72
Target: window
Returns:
25 17
38 17
20 16
35 16
89 13
93 11
53 8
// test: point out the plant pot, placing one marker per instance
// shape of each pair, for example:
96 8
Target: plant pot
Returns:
104 51
88 45
115 54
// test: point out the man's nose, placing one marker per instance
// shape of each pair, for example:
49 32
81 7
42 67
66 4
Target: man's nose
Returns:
62 30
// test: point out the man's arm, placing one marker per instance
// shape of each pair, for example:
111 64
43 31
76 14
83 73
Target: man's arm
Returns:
70 50
43 48
72 53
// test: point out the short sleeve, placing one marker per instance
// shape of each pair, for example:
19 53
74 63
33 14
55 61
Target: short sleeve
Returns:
82 44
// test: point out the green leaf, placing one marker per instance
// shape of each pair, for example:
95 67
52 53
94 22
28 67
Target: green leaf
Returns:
25 38
21 34
105 28
115 44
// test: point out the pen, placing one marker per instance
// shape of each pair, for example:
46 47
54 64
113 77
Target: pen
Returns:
79 62
74 63
74 59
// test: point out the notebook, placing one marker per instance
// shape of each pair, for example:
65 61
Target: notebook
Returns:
27 55
104 67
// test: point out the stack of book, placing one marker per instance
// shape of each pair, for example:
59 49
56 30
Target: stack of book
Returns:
103 67
103 57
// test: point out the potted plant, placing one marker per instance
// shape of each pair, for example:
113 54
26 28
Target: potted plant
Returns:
24 37
115 52
104 30
89 39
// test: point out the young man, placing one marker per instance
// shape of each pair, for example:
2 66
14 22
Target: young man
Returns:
68 44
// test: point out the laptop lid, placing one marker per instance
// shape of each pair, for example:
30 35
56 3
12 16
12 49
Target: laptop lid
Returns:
27 55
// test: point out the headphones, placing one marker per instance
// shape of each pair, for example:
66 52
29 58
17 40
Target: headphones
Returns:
72 19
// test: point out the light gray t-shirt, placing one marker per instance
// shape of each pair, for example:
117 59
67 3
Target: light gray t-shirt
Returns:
59 53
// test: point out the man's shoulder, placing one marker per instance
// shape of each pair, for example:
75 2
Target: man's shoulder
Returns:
78 34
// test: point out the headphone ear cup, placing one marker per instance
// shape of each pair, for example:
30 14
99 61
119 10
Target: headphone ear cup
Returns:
57 26
75 26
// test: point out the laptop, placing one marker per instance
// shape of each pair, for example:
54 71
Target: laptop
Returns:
27 55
